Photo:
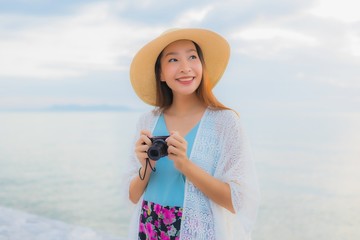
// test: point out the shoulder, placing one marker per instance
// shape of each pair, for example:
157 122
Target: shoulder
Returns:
225 122
149 114
224 116
148 119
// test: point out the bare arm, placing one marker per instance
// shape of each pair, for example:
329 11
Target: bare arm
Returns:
138 186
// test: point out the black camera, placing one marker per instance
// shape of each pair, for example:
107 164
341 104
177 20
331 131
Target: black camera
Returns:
158 148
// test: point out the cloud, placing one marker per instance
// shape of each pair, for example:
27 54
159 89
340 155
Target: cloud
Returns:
353 39
344 10
192 17
266 41
274 45
320 50
67 46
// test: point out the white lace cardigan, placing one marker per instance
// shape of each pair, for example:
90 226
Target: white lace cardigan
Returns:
220 148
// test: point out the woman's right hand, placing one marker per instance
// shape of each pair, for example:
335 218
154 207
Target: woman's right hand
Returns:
138 184
142 146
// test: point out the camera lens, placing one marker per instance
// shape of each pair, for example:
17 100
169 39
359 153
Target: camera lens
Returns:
158 149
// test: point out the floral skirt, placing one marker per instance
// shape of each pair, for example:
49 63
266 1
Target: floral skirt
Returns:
158 222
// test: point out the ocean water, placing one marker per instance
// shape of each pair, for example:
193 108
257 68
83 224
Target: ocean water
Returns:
66 166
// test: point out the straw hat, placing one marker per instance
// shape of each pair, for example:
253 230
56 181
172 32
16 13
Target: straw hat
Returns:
215 49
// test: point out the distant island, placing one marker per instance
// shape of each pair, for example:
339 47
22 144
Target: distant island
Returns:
102 107
75 108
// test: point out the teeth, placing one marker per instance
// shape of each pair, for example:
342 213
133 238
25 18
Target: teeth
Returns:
185 79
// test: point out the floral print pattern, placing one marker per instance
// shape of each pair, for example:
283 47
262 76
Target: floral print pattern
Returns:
159 222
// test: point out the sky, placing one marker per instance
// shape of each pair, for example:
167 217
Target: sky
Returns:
285 55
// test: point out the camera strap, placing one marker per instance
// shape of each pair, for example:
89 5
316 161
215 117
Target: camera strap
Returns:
146 165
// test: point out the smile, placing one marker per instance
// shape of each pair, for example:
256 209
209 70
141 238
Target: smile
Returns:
185 80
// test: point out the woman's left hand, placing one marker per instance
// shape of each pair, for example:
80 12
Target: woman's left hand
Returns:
177 148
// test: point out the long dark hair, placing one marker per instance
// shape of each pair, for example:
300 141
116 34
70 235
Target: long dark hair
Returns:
164 95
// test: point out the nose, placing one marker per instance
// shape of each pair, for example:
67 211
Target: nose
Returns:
185 67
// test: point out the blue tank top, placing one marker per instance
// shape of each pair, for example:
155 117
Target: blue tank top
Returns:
166 185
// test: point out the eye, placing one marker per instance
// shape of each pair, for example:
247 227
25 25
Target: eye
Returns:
172 60
193 57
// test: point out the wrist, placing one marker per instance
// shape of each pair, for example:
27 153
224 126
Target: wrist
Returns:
186 167
145 171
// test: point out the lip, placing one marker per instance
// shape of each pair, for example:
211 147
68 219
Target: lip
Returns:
185 80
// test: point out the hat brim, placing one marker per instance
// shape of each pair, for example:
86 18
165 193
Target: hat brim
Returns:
215 48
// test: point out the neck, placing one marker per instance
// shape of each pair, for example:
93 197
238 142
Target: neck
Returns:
185 105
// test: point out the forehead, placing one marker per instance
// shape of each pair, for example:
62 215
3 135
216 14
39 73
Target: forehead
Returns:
180 45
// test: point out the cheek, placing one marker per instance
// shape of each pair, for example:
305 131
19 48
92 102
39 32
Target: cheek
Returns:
198 66
199 69
164 73
167 71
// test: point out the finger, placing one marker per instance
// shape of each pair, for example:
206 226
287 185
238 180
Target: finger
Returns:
144 139
140 141
143 156
172 150
142 148
146 133
171 141
177 136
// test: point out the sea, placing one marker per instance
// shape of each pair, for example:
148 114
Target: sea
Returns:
64 168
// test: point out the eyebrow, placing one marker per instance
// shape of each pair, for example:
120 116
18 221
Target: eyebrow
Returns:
176 53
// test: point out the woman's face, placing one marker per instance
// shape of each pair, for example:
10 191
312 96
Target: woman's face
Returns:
181 67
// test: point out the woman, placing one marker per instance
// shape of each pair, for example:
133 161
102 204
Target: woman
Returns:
205 187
